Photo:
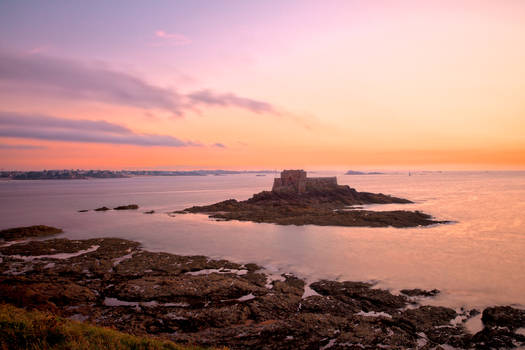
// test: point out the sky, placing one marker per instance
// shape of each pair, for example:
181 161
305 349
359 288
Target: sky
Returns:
197 84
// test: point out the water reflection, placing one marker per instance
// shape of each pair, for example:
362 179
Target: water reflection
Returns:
475 262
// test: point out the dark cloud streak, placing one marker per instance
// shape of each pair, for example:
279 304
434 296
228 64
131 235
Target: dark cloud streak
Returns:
60 129
20 147
210 98
38 74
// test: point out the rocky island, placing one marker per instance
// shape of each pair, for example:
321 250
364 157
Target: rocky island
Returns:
296 199
196 300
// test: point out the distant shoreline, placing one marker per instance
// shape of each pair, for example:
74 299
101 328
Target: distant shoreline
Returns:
110 174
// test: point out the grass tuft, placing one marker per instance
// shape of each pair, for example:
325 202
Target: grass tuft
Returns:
35 330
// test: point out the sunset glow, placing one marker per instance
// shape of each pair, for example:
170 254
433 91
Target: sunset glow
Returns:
262 85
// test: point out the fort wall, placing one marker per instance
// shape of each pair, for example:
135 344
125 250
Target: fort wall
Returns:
318 183
297 182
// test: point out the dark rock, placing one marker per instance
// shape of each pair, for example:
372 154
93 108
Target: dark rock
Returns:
212 288
29 231
83 210
473 313
329 305
25 292
252 267
127 207
503 316
150 212
497 338
102 209
420 292
361 295
426 317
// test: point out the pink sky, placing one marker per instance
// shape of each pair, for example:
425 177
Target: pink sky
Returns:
331 84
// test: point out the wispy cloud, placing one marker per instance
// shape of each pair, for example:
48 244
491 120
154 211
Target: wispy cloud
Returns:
20 147
210 98
51 76
172 39
220 145
38 49
50 128
70 79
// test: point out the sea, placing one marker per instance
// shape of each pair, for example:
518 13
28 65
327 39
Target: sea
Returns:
477 260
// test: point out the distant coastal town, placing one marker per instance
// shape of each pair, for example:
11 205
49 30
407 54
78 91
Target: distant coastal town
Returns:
107 174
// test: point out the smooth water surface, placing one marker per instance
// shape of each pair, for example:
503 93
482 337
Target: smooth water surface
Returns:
476 261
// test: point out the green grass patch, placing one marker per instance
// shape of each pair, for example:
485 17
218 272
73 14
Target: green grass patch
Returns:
35 330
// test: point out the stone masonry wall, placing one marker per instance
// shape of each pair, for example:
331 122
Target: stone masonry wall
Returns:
320 183
296 181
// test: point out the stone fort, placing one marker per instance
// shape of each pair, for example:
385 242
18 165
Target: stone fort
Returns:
297 182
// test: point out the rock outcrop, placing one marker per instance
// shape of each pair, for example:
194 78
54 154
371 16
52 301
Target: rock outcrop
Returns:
298 200
29 231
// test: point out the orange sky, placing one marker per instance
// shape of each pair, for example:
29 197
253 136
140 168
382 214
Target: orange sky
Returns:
319 85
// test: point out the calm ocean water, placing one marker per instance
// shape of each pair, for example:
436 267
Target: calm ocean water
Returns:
477 261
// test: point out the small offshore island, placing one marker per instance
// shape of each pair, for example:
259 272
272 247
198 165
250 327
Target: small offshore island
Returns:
296 199
196 300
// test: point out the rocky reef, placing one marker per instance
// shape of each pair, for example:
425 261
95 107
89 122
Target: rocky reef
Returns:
197 300
298 200
127 207
29 231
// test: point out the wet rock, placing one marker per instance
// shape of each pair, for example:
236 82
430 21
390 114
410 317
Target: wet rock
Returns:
29 231
361 295
420 292
102 209
168 264
274 306
99 248
473 313
127 207
321 304
497 338
199 290
25 292
217 317
425 317
258 279
291 285
503 316
252 267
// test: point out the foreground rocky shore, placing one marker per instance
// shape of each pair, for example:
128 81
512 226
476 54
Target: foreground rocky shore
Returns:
194 299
